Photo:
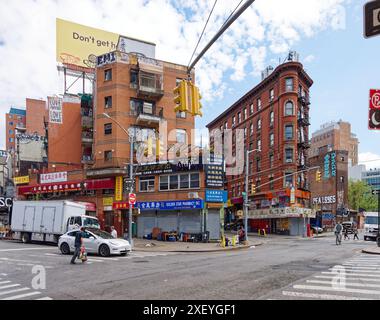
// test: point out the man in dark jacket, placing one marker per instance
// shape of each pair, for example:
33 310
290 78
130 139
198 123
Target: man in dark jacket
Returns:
78 245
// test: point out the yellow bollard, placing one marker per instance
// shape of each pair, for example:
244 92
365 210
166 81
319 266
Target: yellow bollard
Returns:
265 233
223 244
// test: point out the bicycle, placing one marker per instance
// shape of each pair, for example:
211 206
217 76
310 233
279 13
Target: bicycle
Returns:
338 238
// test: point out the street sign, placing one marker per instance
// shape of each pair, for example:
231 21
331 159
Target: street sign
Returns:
372 19
374 110
375 192
132 198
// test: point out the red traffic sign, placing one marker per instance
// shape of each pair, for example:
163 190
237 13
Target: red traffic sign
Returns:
374 110
372 19
132 198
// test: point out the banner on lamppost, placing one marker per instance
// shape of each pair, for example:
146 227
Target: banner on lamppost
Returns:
119 188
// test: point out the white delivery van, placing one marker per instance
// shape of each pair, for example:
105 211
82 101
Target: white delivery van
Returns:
370 225
48 220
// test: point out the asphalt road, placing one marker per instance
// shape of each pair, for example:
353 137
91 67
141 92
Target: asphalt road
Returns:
282 268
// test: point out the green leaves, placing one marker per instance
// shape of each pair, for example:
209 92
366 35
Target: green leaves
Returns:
359 196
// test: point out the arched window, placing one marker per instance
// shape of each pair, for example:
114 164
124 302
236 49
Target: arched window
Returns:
289 108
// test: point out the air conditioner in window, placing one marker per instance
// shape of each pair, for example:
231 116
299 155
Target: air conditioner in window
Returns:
150 188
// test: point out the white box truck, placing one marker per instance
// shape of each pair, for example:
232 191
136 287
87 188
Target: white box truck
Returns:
48 220
370 225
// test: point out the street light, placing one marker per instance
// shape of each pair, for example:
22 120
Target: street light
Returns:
131 141
248 152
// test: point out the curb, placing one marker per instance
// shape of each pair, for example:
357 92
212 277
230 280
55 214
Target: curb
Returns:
201 251
370 252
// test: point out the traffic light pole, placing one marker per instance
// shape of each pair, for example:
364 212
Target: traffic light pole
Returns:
220 32
130 238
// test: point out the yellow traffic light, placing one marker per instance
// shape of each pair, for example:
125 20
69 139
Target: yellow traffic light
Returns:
181 97
196 106
253 188
318 176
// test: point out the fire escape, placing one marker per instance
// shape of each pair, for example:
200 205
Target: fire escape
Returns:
303 140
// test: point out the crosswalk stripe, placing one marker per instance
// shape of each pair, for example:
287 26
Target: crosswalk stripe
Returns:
45 298
356 278
329 288
22 295
355 270
360 264
94 260
9 286
320 296
4 282
345 283
360 267
356 274
12 291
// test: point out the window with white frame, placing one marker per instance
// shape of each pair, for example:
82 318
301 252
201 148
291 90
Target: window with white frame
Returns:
289 132
289 84
288 179
245 113
251 110
259 104
259 144
289 108
259 124
233 120
108 75
271 95
181 135
251 128
271 139
289 155
146 184
239 117
164 183
271 118
180 181
271 160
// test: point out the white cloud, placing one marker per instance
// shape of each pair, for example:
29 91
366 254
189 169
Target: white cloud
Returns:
370 160
309 58
27 32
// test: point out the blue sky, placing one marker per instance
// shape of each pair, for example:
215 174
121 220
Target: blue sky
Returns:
328 35
344 67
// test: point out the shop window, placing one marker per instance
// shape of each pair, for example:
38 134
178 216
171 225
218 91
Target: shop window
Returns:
146 184
108 75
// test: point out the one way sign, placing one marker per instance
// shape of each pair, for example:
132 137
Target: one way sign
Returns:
375 192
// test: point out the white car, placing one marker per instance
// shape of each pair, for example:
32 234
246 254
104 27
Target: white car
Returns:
95 241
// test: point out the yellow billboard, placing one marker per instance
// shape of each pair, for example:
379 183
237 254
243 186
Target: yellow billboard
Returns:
80 45
21 180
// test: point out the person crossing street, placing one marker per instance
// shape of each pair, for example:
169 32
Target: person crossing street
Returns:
78 244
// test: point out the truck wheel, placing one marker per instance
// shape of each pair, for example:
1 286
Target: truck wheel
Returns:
65 249
104 251
25 238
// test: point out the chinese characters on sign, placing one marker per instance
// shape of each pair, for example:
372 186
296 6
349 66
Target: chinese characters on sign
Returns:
55 110
170 205
214 175
119 188
216 196
53 177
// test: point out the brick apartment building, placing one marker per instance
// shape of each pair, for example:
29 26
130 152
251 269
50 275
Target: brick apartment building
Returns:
88 153
275 118
15 118
330 195
337 136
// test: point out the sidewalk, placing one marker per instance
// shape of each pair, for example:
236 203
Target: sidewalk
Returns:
372 249
167 246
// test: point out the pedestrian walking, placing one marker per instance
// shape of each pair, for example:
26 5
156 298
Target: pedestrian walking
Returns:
346 234
113 232
356 234
78 244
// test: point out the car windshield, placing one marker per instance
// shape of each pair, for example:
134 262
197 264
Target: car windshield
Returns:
371 220
101 234
91 223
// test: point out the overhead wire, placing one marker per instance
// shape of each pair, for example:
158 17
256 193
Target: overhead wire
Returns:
204 28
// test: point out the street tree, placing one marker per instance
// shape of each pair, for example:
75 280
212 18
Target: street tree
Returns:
360 196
